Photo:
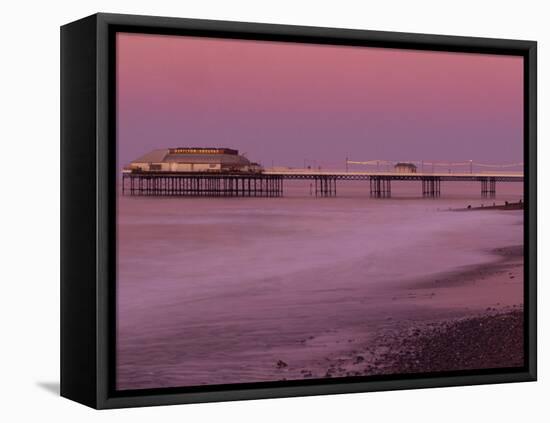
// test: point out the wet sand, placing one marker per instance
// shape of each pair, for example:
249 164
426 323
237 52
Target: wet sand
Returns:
486 334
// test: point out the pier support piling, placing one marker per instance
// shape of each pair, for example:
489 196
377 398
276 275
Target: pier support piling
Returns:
325 186
202 185
488 187
431 187
380 187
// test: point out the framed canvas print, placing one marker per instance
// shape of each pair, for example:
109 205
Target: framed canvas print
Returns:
255 211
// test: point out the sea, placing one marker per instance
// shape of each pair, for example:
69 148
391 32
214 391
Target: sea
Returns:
236 290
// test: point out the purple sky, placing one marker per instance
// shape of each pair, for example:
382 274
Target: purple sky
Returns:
282 103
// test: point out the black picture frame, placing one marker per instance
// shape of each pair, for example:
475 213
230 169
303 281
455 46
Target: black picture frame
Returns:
88 230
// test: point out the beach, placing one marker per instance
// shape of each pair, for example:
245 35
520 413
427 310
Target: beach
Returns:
221 291
476 337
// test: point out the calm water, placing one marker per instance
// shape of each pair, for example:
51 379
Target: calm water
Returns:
218 290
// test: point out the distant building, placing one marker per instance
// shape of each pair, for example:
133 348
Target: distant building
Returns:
405 168
193 159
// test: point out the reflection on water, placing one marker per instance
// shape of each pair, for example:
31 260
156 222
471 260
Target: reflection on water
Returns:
217 290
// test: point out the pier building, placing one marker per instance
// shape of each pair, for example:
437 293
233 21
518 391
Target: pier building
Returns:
405 167
193 159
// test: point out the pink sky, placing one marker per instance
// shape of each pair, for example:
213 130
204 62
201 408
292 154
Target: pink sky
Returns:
282 103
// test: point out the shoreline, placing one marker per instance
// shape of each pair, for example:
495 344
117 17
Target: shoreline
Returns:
486 334
507 257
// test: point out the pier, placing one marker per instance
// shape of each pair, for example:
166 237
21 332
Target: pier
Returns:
201 184
270 183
